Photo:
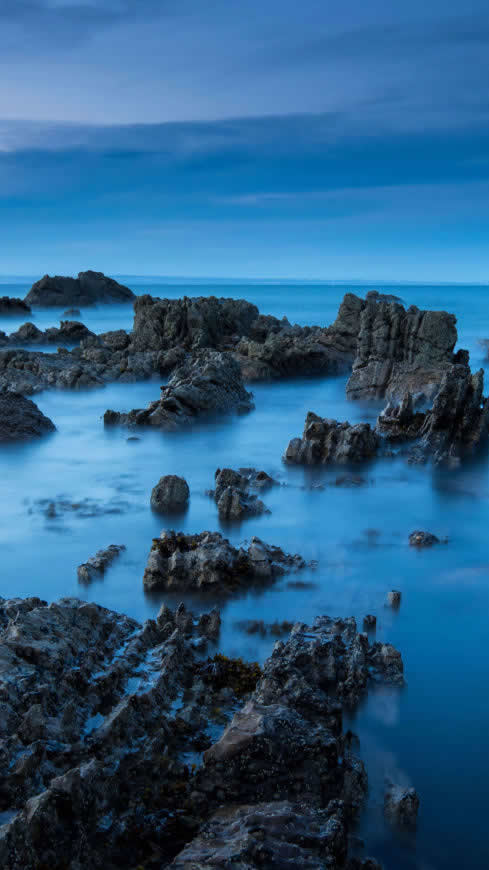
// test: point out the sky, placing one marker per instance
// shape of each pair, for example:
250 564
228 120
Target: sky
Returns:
319 140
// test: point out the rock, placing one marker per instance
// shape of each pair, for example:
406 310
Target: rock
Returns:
68 332
20 418
401 351
12 306
422 539
231 495
171 493
327 441
369 622
72 312
208 561
210 383
375 296
98 564
401 805
394 599
89 288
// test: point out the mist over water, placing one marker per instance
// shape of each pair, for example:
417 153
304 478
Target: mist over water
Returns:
432 734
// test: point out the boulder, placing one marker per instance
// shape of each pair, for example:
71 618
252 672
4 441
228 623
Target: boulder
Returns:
422 539
401 805
399 351
234 502
97 565
20 418
89 288
327 441
171 493
208 561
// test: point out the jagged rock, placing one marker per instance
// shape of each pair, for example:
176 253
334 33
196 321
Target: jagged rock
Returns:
375 296
68 332
11 305
88 288
456 426
231 495
394 599
20 418
208 561
327 441
210 383
171 493
401 805
401 351
98 564
422 539
369 622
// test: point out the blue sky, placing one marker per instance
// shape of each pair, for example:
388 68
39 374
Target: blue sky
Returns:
317 140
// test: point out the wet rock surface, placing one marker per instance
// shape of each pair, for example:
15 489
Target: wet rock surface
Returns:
20 418
68 332
209 383
327 441
401 350
97 565
423 539
89 288
207 561
232 496
11 305
170 494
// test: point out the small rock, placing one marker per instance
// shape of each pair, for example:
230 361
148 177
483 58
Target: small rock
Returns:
401 805
370 622
171 493
98 564
394 598
422 539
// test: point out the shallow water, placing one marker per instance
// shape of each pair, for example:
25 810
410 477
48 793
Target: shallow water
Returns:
431 734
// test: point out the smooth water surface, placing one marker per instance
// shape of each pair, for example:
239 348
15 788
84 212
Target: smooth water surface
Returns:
433 733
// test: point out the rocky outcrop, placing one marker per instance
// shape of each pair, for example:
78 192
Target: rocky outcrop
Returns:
170 494
232 496
401 805
97 565
99 717
208 384
401 351
327 441
456 426
89 288
20 418
207 561
68 332
9 305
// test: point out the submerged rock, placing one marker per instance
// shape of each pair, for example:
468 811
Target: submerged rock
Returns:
400 350
209 383
422 539
394 599
401 805
11 305
234 502
208 561
171 493
97 565
327 441
88 288
20 418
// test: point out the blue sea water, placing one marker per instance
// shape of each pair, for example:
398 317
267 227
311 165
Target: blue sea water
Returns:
433 733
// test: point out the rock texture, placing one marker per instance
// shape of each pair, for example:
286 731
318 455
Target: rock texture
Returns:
89 288
11 305
97 565
108 735
68 332
401 805
210 383
207 562
20 418
327 441
232 496
401 350
171 493
422 539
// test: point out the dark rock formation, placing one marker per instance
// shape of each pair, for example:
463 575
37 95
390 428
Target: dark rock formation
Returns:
369 622
89 288
394 599
97 565
171 493
20 418
68 332
327 441
210 383
401 350
208 561
457 424
234 502
11 305
401 805
375 296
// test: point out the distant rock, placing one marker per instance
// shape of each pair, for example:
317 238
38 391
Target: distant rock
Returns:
20 418
422 539
399 351
11 306
72 312
207 561
369 622
209 383
394 599
327 441
170 494
68 332
89 288
97 565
